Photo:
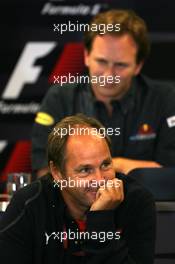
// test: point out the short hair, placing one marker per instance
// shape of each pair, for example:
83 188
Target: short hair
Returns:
56 146
130 23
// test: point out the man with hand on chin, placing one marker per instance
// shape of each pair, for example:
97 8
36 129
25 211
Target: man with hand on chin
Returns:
92 223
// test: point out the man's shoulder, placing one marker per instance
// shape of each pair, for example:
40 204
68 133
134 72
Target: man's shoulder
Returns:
31 194
33 191
159 88
66 89
134 191
32 198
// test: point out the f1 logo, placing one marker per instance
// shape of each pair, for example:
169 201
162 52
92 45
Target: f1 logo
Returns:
25 71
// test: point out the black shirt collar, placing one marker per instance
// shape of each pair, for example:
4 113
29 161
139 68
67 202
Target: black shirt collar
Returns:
125 103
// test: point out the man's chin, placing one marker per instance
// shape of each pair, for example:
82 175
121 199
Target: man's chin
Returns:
109 91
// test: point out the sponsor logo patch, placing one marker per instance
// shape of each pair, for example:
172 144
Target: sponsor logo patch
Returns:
145 132
44 119
171 121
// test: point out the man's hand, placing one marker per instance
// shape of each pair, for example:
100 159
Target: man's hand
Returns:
109 196
123 165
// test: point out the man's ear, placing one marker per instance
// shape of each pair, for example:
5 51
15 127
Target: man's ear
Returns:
139 67
56 174
86 57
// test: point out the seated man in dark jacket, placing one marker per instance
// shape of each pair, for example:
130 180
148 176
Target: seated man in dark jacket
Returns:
80 213
143 109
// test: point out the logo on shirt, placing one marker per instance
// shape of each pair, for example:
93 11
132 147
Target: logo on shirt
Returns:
145 132
44 119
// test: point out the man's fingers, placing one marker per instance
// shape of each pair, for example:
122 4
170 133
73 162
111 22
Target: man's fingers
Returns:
109 196
113 188
117 189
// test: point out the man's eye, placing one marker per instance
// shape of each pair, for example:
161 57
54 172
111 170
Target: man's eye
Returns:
85 170
121 65
106 165
101 61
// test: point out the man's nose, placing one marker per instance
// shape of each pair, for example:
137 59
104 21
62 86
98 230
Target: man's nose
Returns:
99 175
110 70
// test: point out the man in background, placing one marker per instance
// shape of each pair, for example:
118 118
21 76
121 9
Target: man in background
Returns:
140 111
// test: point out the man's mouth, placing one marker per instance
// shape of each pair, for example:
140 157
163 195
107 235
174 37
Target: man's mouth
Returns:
92 189
92 192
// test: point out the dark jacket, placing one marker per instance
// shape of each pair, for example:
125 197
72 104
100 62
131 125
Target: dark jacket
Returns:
39 209
145 116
